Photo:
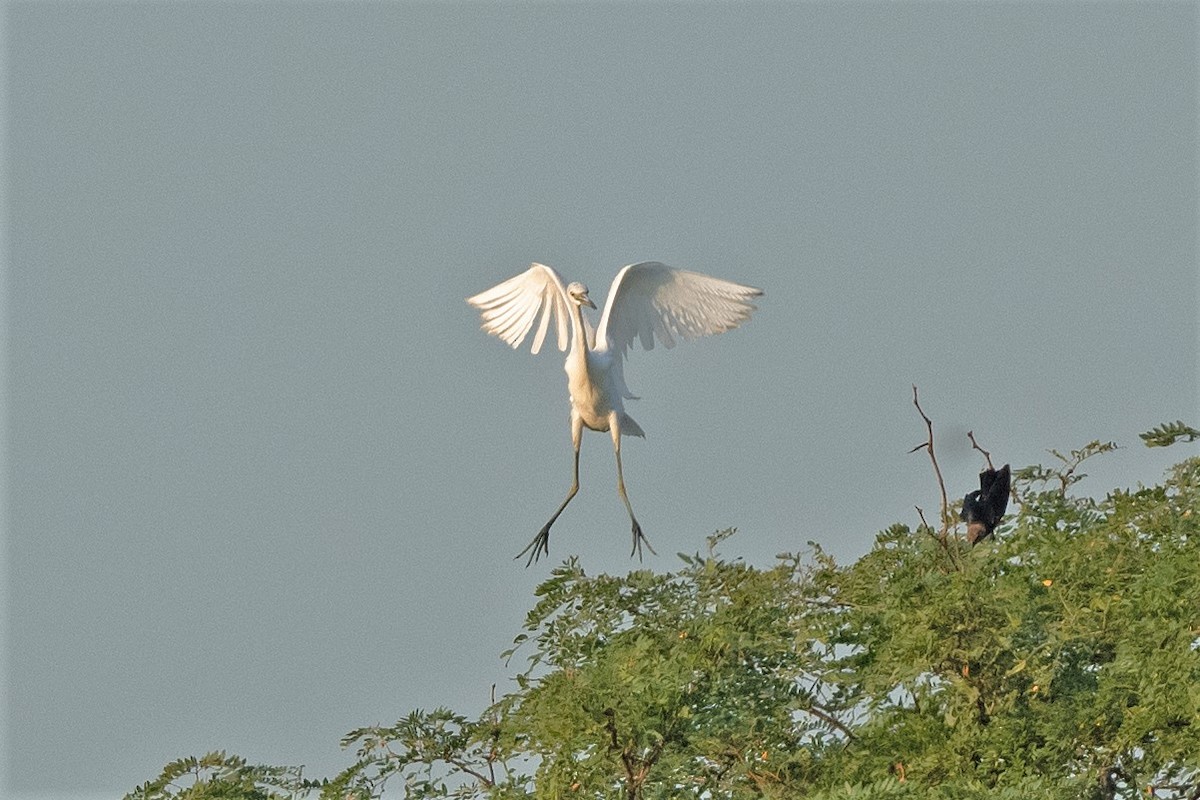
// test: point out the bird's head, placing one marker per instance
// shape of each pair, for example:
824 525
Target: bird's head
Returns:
579 295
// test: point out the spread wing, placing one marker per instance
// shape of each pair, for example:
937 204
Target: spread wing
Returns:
651 300
509 309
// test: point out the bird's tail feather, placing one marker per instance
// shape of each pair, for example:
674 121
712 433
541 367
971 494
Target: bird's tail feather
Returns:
631 428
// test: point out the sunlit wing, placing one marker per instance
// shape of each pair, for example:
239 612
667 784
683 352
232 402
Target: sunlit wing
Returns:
651 300
510 309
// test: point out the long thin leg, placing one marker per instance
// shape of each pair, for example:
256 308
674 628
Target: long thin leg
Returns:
541 543
614 426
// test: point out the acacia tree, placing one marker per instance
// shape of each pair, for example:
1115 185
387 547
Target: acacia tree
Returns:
1063 656
1059 659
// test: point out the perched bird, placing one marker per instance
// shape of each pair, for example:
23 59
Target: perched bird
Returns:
646 301
983 508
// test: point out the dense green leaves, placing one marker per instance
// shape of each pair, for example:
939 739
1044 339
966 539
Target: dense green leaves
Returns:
686 683
1170 433
1067 649
1060 659
218 776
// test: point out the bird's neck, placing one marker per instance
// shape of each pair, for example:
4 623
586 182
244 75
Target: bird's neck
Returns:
578 329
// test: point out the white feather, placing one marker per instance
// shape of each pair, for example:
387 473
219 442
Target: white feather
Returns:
510 308
651 300
647 301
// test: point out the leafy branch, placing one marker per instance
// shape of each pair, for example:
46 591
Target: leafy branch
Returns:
1169 433
1068 475
217 775
416 747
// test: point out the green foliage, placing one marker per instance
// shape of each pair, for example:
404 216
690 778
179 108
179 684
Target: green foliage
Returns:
218 776
436 754
683 684
1065 652
1169 433
1060 659
1066 475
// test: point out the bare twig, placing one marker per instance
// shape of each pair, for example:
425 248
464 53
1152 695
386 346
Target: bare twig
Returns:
1012 491
648 762
924 523
492 754
828 718
632 787
927 445
975 445
479 776
942 540
611 727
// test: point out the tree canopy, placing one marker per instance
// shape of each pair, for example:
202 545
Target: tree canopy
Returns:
1058 659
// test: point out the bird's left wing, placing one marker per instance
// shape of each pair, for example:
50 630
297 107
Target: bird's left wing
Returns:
651 300
510 308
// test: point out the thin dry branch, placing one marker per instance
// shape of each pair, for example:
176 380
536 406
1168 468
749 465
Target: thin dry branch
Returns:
925 523
1012 491
975 445
828 718
927 445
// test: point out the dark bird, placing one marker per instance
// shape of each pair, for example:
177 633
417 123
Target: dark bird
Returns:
984 508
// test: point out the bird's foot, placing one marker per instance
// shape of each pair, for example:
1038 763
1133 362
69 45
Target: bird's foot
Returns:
540 546
640 539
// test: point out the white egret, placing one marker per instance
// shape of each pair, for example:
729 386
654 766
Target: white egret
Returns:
646 300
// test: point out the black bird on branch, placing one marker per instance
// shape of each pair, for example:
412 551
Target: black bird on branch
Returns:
984 508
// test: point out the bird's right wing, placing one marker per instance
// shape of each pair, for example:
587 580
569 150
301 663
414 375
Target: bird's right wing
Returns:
651 300
995 486
509 309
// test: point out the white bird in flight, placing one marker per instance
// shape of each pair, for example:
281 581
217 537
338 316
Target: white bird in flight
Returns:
645 301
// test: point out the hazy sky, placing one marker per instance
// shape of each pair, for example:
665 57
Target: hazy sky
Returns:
266 476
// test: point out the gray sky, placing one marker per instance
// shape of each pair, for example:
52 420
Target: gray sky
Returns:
266 476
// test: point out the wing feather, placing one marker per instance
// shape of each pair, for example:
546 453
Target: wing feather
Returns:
509 309
651 300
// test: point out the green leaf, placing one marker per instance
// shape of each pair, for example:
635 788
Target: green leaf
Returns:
1169 433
